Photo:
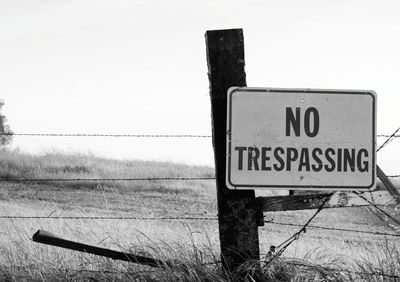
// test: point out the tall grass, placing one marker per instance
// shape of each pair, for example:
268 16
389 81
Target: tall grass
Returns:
193 264
18 165
194 245
15 165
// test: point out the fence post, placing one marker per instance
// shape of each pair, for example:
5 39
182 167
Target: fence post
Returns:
237 214
388 184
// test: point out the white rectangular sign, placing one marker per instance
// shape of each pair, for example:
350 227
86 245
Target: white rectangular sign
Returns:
301 139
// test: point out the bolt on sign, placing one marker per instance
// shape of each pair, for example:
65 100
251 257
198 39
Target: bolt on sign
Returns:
302 139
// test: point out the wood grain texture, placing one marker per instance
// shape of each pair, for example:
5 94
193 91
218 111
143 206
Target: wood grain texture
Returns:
314 201
48 238
388 184
237 216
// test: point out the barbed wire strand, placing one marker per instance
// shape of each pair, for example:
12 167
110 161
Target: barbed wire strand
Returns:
382 211
386 135
108 179
133 135
390 139
108 135
122 179
186 218
335 229
108 217
284 245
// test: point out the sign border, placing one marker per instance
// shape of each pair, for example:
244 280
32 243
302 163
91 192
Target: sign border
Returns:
232 186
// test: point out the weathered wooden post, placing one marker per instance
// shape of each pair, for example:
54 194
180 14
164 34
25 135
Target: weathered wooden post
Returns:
237 215
388 184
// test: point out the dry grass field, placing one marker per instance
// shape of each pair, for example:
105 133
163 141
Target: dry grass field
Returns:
192 242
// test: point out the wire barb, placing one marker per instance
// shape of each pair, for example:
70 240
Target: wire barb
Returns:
390 139
386 135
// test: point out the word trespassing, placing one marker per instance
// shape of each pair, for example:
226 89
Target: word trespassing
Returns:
302 159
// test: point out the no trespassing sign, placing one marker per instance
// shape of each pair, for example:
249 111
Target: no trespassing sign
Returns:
301 139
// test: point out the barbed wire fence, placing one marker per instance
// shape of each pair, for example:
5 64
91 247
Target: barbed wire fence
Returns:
271 256
137 135
390 137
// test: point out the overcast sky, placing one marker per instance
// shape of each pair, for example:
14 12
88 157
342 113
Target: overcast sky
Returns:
139 67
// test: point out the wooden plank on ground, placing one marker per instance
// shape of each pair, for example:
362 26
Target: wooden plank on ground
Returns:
48 238
314 201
